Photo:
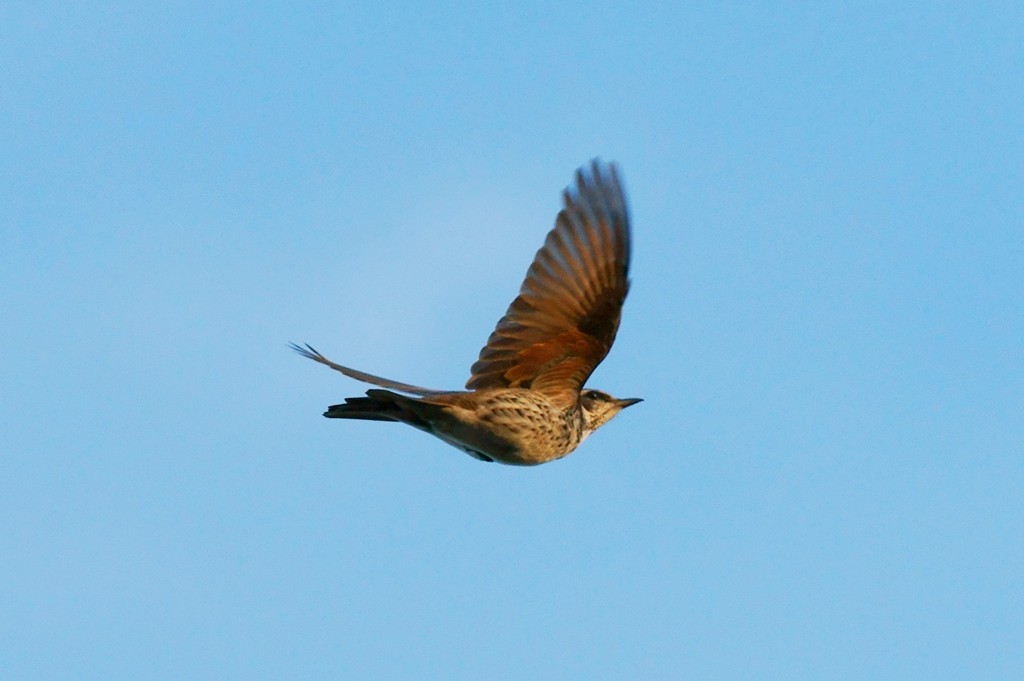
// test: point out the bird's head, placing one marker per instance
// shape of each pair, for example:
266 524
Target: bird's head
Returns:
600 407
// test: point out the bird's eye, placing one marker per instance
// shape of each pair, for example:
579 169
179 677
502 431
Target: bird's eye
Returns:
593 395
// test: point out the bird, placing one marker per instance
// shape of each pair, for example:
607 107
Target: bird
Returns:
525 402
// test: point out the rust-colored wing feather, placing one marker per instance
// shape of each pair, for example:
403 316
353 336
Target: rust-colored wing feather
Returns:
564 320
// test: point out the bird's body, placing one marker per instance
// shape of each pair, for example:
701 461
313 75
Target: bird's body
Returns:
509 425
525 403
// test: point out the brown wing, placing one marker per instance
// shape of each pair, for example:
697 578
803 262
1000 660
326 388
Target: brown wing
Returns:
312 354
564 321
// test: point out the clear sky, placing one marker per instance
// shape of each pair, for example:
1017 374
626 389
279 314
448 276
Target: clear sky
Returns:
826 480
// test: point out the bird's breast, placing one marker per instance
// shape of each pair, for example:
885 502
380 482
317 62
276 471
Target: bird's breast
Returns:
519 427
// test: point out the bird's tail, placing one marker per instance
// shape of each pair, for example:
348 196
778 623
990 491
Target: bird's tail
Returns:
378 405
359 408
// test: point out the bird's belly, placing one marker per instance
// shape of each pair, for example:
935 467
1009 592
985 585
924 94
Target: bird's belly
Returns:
506 445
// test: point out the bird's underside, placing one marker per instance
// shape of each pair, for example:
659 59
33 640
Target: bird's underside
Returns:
525 403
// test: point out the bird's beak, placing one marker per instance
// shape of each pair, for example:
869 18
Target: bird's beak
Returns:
629 402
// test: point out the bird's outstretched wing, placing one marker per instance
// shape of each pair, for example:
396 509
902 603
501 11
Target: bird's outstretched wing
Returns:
564 320
312 354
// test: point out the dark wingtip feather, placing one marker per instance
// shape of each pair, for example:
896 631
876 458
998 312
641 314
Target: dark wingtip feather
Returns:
307 352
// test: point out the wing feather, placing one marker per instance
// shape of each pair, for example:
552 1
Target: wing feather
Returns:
312 354
564 321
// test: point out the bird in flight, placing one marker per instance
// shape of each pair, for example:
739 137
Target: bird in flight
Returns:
525 402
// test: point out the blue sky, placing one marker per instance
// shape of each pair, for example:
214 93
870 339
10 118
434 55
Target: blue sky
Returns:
824 482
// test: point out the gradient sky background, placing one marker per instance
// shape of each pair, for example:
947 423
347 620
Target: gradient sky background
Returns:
826 480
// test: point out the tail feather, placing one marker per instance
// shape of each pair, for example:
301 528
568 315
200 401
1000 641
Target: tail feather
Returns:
363 408
380 405
369 409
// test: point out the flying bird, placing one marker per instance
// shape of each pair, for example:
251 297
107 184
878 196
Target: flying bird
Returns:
525 402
